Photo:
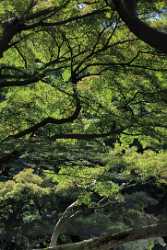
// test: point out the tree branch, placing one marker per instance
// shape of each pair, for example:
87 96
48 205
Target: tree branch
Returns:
69 213
109 241
19 24
149 35
66 21
50 120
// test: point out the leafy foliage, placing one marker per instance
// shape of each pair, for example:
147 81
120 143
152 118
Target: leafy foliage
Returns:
83 117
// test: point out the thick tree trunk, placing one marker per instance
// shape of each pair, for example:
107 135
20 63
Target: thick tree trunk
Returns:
109 241
151 36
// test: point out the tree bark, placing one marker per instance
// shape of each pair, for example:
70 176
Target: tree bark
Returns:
149 35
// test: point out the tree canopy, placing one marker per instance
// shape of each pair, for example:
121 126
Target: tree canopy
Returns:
83 124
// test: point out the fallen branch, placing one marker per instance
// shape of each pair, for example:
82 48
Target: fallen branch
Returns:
109 241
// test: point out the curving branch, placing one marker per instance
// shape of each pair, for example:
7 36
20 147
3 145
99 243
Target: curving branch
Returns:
51 120
151 36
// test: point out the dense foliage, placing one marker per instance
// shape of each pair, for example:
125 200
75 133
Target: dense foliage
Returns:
83 118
